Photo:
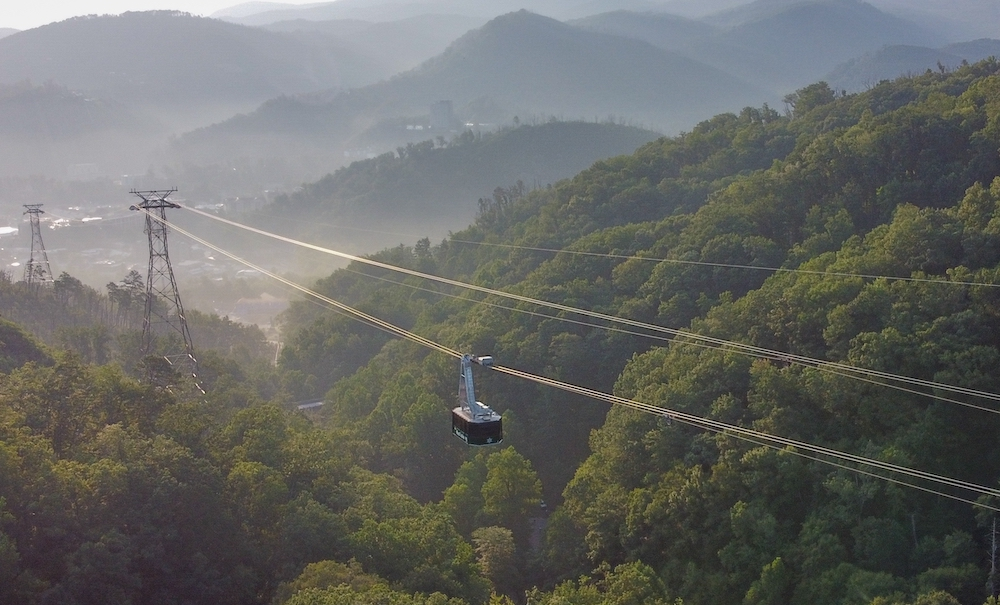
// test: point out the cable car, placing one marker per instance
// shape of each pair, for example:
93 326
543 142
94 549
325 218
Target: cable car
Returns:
473 422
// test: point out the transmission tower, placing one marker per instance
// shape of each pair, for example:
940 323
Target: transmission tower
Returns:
37 271
164 313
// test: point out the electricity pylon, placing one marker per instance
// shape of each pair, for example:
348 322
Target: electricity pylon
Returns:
37 271
164 312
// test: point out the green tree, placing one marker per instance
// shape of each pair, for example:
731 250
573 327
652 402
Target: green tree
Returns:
511 493
495 552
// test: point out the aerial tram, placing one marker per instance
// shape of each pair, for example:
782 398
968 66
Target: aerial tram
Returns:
473 422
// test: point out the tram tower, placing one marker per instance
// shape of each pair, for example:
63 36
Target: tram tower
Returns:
37 269
164 313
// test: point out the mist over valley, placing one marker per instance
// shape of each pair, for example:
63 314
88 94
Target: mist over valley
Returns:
719 279
246 108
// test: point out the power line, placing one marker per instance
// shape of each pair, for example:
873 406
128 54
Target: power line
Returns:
770 441
844 369
700 422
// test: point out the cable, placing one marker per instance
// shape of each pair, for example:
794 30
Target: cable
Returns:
738 430
661 260
674 340
272 217
369 319
732 265
847 370
697 421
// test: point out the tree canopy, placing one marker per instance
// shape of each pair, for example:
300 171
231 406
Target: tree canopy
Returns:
861 230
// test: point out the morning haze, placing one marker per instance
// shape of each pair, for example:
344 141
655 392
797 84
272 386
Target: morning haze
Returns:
248 106
720 280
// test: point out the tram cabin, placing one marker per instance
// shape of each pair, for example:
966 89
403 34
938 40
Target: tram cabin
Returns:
484 430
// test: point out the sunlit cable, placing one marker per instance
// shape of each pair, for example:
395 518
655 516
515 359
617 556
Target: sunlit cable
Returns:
848 370
738 430
674 340
673 261
369 319
704 423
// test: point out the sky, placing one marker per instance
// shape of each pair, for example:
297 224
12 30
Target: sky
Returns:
26 14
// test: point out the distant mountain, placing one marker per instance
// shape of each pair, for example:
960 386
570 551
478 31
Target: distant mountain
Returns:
6 31
250 8
54 112
955 19
740 13
895 61
975 50
45 129
697 9
523 60
174 61
435 188
666 31
389 47
517 64
781 45
789 44
393 10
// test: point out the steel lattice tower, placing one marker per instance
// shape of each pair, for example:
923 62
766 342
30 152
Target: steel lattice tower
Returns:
37 270
164 312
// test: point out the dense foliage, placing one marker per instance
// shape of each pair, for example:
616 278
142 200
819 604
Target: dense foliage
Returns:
896 181
436 182
104 327
118 491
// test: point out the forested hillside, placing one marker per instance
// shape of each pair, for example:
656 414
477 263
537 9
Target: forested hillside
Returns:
438 182
49 127
115 57
890 61
517 64
859 229
103 327
887 182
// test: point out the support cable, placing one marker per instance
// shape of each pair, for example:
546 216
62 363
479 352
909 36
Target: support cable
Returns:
846 370
739 432
350 311
672 340
653 259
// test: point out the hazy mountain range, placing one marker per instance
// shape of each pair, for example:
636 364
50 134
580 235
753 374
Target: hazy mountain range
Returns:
195 69
430 189
891 61
389 47
517 64
48 128
309 88
955 20
391 10
780 46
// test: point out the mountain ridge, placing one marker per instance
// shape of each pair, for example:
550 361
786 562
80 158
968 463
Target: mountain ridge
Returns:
533 63
214 63
779 44
892 61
